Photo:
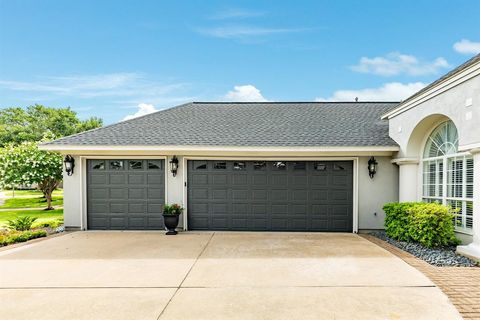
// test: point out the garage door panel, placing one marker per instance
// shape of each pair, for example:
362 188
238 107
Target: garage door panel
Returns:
136 179
220 223
240 194
117 193
268 195
259 194
259 180
98 193
137 193
155 179
125 194
98 179
155 193
98 222
219 194
117 179
117 208
200 179
155 208
219 208
218 179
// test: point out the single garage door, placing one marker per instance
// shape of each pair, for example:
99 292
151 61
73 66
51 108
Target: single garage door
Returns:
125 194
270 195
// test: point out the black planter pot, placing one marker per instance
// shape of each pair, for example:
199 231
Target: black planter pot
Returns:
171 223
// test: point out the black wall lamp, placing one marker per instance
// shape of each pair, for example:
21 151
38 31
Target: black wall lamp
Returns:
174 165
69 163
372 167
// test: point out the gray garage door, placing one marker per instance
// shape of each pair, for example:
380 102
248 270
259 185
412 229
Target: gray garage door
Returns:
272 195
125 194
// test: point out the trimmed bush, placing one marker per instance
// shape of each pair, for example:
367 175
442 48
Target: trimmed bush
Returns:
12 237
53 223
397 220
430 224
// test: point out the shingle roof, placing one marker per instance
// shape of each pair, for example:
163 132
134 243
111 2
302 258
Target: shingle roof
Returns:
249 124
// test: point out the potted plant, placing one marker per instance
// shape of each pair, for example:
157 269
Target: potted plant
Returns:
170 217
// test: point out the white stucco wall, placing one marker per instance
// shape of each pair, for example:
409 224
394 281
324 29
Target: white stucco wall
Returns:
372 193
411 128
72 203
413 124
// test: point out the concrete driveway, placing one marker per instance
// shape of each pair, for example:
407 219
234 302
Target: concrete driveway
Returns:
146 275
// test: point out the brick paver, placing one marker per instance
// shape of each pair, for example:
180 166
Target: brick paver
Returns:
460 284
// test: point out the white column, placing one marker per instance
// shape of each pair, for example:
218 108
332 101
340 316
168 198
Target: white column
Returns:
407 179
473 249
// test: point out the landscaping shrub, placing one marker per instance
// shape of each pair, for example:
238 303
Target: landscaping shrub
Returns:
397 220
11 237
22 223
54 223
430 224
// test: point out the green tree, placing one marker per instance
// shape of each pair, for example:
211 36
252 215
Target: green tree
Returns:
34 123
26 164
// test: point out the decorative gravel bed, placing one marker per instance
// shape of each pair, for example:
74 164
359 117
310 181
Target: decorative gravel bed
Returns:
440 257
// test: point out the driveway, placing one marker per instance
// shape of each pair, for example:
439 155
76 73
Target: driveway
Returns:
146 275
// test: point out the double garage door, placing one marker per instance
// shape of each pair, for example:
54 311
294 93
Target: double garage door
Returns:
224 195
270 195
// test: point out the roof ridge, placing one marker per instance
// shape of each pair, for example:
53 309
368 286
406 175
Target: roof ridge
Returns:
289 102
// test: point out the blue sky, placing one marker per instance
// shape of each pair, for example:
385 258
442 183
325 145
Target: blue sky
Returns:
118 59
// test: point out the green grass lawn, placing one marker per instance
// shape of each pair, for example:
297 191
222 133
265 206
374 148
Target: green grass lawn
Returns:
36 202
33 193
41 215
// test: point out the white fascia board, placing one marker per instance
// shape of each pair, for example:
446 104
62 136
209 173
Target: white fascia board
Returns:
218 150
447 84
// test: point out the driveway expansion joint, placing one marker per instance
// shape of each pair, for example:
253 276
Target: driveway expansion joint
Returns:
186 275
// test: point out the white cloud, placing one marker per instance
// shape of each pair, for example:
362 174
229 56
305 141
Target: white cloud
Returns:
396 63
132 87
235 13
143 109
466 46
245 93
231 32
393 91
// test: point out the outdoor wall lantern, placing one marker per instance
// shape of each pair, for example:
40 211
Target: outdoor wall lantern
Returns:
69 163
174 165
372 167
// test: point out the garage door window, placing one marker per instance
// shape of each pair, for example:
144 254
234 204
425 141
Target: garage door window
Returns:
154 165
220 165
280 165
320 166
135 165
116 165
299 166
98 165
239 166
200 165
259 165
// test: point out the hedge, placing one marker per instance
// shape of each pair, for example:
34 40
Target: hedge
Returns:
430 224
11 237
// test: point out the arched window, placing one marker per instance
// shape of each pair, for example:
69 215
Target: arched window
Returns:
448 174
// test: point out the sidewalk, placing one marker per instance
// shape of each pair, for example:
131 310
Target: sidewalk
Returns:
460 284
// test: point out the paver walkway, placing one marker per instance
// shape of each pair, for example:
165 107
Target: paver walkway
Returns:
460 284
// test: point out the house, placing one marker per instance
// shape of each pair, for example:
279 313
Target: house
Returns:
293 166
